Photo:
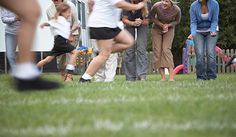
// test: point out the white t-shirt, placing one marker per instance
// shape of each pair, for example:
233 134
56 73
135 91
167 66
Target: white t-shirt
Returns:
60 27
104 14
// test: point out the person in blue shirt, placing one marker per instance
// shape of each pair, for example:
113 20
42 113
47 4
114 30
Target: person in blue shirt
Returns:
204 16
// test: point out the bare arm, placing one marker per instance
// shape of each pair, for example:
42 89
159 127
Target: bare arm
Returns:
127 22
90 5
44 24
153 16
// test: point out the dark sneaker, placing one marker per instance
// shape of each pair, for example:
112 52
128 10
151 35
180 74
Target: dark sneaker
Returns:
84 80
35 84
230 61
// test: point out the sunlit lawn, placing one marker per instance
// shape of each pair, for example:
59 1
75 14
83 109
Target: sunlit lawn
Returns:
184 108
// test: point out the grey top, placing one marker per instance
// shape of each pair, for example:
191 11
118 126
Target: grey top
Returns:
10 19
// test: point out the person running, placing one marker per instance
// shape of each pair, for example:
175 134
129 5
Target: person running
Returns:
29 12
102 23
62 32
64 59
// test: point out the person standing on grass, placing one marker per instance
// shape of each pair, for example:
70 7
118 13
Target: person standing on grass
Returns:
204 15
26 75
64 59
12 22
165 16
103 25
60 27
135 58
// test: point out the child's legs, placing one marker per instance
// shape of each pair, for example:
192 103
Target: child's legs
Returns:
45 61
73 57
123 41
105 48
29 11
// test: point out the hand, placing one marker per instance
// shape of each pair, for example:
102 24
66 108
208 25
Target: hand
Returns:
42 25
190 37
140 5
71 38
138 22
17 18
213 34
90 5
165 28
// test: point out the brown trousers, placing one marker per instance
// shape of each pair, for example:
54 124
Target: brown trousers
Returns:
161 47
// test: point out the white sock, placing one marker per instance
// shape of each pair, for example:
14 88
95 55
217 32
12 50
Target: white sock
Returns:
86 76
234 61
70 67
25 71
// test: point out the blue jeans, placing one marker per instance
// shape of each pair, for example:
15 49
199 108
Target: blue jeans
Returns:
11 43
205 55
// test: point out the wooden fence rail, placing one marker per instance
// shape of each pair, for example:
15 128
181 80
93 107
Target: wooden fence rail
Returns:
221 60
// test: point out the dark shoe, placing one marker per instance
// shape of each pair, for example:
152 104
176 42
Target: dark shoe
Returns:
230 61
35 84
84 80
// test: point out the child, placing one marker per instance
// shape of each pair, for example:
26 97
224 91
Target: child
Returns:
63 35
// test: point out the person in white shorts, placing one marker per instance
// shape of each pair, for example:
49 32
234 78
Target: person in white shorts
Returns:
102 23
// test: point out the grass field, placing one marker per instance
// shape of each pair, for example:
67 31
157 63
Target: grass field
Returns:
184 108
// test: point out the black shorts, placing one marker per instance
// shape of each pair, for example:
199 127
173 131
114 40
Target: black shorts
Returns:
103 33
61 46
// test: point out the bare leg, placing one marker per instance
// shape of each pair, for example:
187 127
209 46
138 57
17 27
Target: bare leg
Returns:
45 61
171 74
123 41
73 58
71 66
105 48
29 12
26 74
162 72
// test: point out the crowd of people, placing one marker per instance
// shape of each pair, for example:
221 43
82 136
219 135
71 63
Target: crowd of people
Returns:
104 17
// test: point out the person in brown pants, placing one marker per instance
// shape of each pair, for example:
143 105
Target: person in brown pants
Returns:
165 16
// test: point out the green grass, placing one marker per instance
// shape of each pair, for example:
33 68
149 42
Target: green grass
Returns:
184 108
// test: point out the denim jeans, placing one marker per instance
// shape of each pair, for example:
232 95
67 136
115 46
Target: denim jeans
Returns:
205 55
11 43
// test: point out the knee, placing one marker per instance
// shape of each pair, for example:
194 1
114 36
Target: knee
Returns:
130 41
104 56
166 49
